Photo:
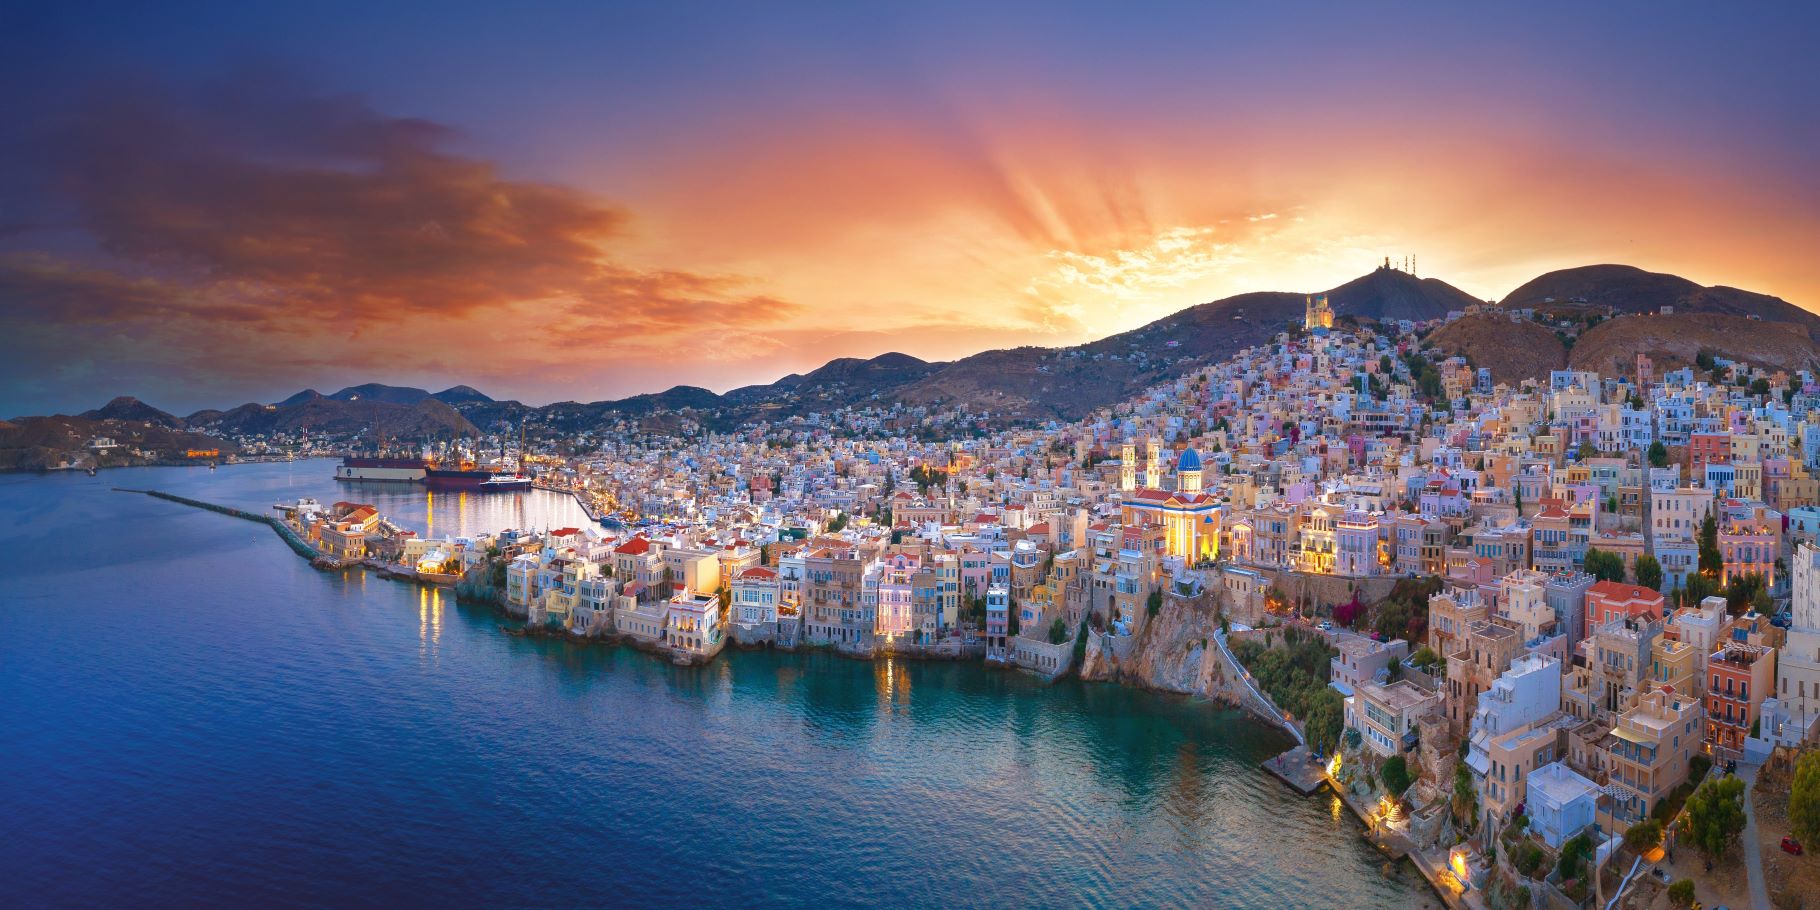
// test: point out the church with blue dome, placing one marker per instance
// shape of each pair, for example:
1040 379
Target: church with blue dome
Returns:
1189 516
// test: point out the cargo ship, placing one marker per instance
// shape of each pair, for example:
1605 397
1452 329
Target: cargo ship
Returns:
403 470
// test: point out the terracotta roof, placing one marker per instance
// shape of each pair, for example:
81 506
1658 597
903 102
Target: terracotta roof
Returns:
634 547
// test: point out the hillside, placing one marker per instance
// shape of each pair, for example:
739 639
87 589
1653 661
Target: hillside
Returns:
1514 351
128 408
59 440
1674 341
1389 294
426 419
1071 382
1628 289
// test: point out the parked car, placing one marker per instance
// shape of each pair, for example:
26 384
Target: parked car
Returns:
1790 845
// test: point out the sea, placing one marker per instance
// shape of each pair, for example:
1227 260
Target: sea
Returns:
192 716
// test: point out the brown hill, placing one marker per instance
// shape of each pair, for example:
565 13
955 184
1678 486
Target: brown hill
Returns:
1513 350
1069 383
1629 289
60 440
1612 346
371 417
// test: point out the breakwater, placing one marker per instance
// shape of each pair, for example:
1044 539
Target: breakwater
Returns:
291 538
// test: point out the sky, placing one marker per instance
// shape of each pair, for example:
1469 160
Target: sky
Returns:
203 205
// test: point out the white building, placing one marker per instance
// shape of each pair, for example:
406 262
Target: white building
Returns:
1798 666
1562 803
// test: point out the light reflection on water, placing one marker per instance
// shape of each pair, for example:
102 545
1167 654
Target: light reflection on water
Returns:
229 727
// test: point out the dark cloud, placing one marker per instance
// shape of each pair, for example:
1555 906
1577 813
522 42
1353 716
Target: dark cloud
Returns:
319 220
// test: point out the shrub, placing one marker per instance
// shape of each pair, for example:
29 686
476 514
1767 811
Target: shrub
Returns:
1528 858
1574 855
1058 631
1682 893
1395 774
1154 604
1643 836
1698 766
1804 799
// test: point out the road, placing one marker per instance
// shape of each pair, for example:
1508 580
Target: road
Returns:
1753 852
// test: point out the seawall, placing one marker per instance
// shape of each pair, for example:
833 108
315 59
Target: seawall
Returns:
290 537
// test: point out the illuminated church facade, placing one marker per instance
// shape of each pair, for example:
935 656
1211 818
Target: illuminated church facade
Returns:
1189 516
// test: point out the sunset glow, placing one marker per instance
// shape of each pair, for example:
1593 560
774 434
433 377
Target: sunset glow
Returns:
607 203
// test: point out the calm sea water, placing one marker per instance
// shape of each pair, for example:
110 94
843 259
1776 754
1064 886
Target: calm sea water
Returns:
194 717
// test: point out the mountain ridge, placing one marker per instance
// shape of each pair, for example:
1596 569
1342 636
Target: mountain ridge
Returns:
1025 382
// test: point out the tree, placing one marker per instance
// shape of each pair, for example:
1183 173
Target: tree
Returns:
1748 589
1465 797
1714 816
1574 855
1699 587
1681 893
1658 454
1395 774
1804 799
1604 566
1392 621
1326 715
1643 836
1649 572
1425 657
1712 562
1058 631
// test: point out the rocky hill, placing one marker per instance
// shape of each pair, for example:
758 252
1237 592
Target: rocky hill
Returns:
1071 382
1674 341
1514 351
1388 294
62 441
128 408
428 418
1628 289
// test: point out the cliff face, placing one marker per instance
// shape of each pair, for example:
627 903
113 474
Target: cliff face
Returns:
1169 653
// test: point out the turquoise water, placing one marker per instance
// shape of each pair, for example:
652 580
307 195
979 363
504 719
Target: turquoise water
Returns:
194 717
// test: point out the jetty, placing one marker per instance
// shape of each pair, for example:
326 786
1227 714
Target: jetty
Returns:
1298 768
290 536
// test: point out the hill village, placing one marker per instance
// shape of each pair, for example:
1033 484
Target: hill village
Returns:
1561 637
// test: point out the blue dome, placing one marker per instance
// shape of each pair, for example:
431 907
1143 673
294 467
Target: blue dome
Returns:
1191 461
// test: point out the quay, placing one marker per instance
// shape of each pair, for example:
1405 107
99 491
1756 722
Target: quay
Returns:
1308 777
1298 769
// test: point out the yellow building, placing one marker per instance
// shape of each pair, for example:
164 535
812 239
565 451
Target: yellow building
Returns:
1190 517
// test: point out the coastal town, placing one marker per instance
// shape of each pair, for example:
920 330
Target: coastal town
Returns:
1556 641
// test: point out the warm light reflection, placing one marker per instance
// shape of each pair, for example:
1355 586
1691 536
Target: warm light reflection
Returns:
429 615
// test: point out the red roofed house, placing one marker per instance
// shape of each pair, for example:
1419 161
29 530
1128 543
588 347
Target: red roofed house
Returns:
756 593
1609 600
